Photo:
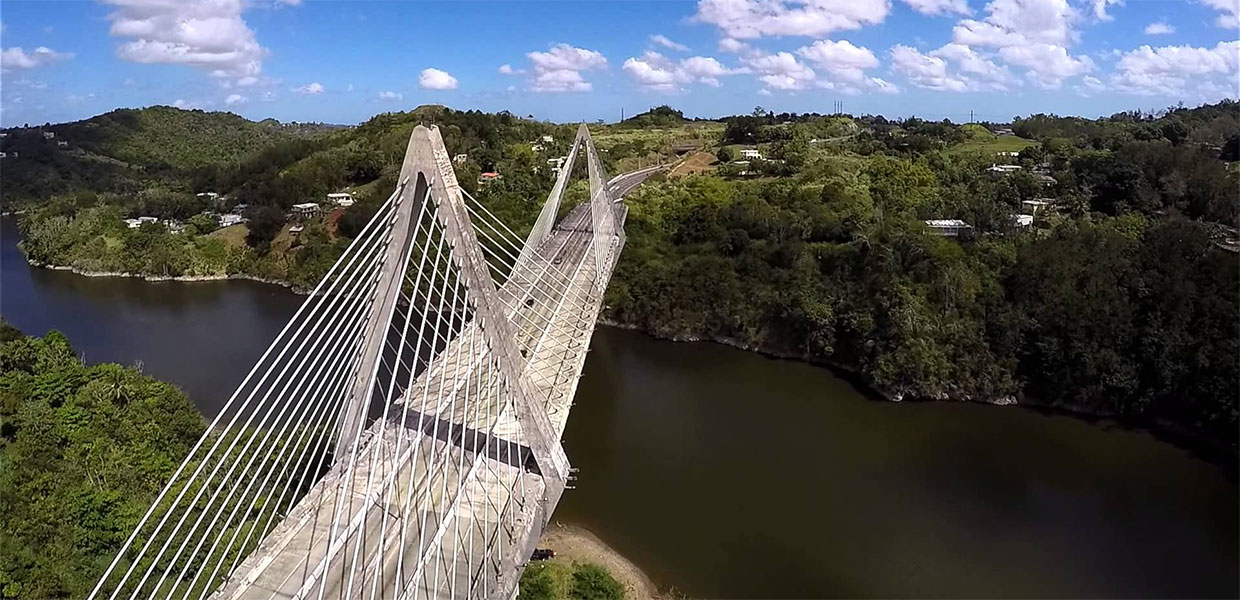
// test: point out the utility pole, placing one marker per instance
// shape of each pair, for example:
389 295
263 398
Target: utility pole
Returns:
970 115
621 114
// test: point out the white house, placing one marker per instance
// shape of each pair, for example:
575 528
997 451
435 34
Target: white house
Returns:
1022 221
947 227
340 199
140 221
230 219
536 147
547 139
1033 206
751 154
305 210
208 196
1003 169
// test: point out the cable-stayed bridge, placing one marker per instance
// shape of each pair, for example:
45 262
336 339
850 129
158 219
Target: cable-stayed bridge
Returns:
401 436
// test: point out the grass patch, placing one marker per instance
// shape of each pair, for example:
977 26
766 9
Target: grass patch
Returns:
559 580
1002 143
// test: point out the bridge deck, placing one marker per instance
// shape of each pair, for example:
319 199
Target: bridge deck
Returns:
431 466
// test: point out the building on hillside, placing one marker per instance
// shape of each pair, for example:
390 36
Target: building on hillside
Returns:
488 177
140 221
1004 131
296 229
546 139
537 147
305 210
751 154
211 197
174 226
3 155
49 135
1022 221
948 227
1033 207
1045 180
1008 154
460 158
344 199
62 144
230 219
1002 169
240 209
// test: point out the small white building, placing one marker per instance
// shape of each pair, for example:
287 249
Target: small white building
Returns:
230 219
546 139
305 210
49 135
296 229
948 227
208 196
340 199
62 144
460 158
240 209
1022 221
174 226
1003 169
140 221
751 154
536 147
3 155
1032 207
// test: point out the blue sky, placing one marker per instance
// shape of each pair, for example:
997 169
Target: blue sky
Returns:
344 61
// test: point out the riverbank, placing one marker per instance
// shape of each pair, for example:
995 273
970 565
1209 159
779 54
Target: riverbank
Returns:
575 543
1214 451
180 278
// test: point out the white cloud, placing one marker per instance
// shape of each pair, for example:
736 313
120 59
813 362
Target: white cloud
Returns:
435 79
1014 22
385 95
747 19
1089 86
559 69
656 72
1100 8
1230 9
734 46
188 104
923 71
841 59
1179 70
506 69
662 40
310 88
1159 28
1048 64
969 62
16 58
207 35
782 71
939 7
234 99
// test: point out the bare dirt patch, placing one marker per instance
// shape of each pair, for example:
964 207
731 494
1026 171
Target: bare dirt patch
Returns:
698 162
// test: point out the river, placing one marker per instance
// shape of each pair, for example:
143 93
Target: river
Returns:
727 474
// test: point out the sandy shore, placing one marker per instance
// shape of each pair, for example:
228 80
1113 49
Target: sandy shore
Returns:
571 542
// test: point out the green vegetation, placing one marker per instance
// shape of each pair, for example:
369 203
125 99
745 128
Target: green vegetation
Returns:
1117 301
557 580
83 452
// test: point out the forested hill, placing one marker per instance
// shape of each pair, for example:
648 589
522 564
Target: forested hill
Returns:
126 150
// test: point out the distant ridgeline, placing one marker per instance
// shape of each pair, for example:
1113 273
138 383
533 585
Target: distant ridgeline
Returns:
1085 264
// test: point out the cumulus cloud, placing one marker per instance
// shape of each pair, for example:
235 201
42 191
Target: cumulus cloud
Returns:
559 69
1048 65
939 7
507 69
1159 28
782 71
234 99
748 19
841 59
386 95
655 72
435 79
951 68
1179 70
1014 22
310 88
17 58
662 40
207 35
924 71
1100 8
1230 9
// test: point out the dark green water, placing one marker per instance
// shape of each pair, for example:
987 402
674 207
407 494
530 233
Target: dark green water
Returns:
728 474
